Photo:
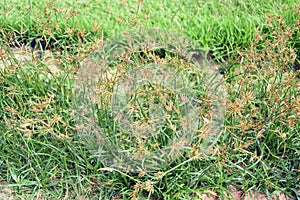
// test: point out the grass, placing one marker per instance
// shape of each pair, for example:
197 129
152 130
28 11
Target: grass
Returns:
43 156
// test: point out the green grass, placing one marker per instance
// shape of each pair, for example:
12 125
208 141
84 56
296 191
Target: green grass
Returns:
42 155
219 25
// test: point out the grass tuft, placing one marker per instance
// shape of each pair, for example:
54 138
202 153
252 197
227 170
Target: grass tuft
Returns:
43 155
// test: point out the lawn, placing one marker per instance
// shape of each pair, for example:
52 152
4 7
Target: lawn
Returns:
149 100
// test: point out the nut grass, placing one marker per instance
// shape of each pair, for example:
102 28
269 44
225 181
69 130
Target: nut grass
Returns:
41 155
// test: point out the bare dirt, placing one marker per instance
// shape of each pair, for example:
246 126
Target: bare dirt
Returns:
14 57
239 195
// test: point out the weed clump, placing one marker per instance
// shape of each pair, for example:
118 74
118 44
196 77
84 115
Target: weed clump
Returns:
263 117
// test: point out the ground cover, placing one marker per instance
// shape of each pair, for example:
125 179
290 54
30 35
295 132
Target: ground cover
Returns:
255 46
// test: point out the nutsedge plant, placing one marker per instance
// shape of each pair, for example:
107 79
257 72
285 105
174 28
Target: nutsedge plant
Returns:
41 154
263 111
